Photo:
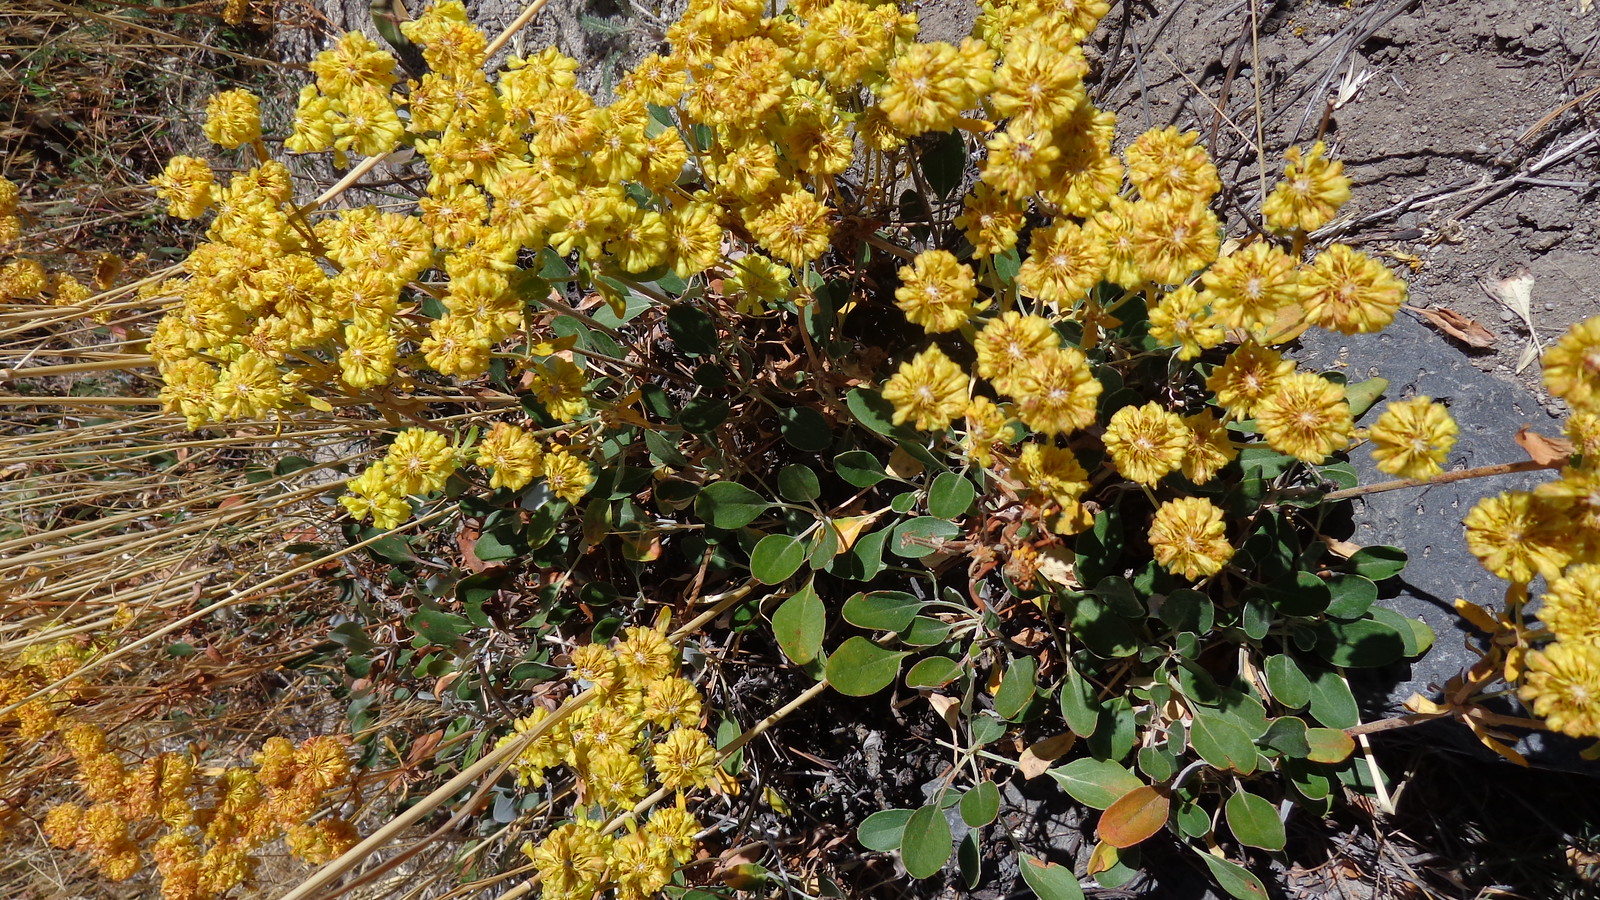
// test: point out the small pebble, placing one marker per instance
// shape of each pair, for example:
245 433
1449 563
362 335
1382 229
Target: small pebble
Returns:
1549 307
1507 315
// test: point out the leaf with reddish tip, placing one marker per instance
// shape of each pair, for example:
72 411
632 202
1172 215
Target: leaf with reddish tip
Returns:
1136 815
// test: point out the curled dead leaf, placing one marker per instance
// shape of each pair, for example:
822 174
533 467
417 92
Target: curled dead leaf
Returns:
1036 760
1542 449
1468 331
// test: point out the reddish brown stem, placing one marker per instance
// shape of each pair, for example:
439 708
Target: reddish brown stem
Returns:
1479 472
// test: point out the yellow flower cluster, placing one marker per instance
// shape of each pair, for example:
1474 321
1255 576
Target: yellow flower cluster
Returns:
210 845
645 718
1554 532
23 278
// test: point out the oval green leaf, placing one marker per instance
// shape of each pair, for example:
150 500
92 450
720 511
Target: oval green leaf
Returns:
798 626
1254 821
1222 743
1288 684
1329 745
1016 688
926 844
882 830
1079 705
1050 881
1378 562
921 536
860 668
859 468
798 484
933 672
950 496
980 805
1234 878
881 610
776 557
1352 595
1332 704
729 505
1095 782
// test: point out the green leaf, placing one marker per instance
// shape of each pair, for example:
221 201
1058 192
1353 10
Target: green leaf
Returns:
950 496
881 610
868 551
1288 684
883 830
1254 821
1155 762
1098 549
1287 735
980 805
798 626
871 410
1095 782
776 557
860 668
918 537
1378 562
1329 745
926 844
1359 644
1363 394
944 162
1352 595
439 627
1332 704
703 414
1016 688
798 484
1415 635
969 859
1188 610
1234 878
692 330
1222 743
804 429
985 729
925 631
1079 706
1050 881
729 505
1101 630
859 468
933 672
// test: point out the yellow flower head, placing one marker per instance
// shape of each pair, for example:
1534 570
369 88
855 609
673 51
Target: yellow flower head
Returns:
928 390
1038 85
1182 319
1019 160
1413 438
1009 344
1572 366
795 228
1349 292
1057 394
1064 262
1518 535
355 64
571 860
1250 373
986 424
188 186
1051 472
645 655
684 759
936 291
673 828
1305 416
567 474
419 461
1146 442
1571 607
233 118
1174 237
513 454
990 220
1248 287
1311 192
1563 684
672 701
1167 162
1209 448
930 84
1189 538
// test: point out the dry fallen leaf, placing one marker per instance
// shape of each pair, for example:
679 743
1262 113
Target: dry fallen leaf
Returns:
1055 564
948 708
1036 760
1542 449
1515 292
1468 331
